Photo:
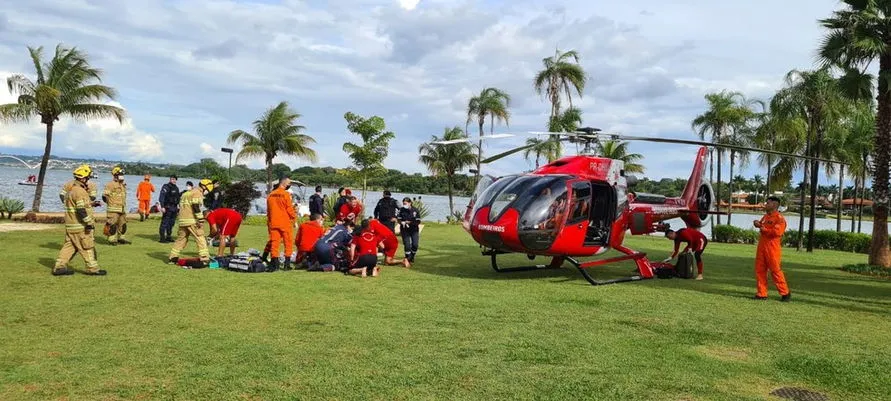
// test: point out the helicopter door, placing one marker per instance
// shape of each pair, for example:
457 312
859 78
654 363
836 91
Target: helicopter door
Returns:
603 212
579 210
484 182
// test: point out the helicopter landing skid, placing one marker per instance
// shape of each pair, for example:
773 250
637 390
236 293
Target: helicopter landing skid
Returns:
494 254
640 259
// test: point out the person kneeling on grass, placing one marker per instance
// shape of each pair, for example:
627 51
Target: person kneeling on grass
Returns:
224 224
363 252
696 241
326 249
307 236
388 240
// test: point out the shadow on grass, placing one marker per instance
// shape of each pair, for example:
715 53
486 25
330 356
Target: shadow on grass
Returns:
162 256
47 263
149 237
51 245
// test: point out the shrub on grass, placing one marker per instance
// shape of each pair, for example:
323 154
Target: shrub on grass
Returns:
869 270
10 206
735 235
829 239
240 196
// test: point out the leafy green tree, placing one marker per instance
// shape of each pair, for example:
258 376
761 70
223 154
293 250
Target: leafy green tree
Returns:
817 98
66 85
446 160
618 150
858 35
368 157
275 133
492 103
727 112
240 196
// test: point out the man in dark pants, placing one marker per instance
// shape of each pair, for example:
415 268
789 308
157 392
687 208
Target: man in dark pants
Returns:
386 211
317 203
168 198
410 221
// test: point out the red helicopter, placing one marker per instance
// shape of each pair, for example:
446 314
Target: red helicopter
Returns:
580 206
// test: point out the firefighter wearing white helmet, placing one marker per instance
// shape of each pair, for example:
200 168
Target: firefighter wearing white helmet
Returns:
115 197
191 222
79 225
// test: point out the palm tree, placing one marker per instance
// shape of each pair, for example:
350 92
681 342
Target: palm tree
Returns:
758 183
66 85
568 120
858 35
727 112
562 74
858 143
275 133
618 150
816 98
492 103
449 159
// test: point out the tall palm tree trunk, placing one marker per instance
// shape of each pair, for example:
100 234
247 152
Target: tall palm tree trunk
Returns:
769 167
730 188
841 188
451 202
804 182
862 195
815 169
38 192
718 186
268 175
479 149
878 252
854 204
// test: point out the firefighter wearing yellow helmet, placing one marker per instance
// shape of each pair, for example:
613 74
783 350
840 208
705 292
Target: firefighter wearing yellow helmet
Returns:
79 225
115 197
191 222
91 187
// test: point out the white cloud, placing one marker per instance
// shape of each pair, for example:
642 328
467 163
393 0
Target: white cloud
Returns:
186 82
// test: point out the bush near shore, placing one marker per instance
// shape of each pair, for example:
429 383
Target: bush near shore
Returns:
823 239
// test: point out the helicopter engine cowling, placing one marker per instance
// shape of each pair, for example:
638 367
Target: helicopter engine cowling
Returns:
704 201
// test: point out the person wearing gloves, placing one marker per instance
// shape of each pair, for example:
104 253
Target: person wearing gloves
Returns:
696 241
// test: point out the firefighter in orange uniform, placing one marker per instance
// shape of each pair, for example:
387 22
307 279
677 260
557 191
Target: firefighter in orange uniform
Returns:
280 220
144 196
769 254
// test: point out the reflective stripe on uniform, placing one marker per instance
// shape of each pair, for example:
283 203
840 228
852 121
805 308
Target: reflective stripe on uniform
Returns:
74 227
186 222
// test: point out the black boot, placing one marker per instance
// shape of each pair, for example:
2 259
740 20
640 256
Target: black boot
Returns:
272 265
63 272
97 273
287 265
265 257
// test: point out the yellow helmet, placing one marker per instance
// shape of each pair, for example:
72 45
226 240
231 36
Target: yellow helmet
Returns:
207 184
117 170
84 171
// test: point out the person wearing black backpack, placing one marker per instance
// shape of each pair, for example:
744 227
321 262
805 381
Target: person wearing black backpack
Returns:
386 211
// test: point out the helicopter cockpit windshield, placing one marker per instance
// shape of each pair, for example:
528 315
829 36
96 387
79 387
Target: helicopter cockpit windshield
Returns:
541 202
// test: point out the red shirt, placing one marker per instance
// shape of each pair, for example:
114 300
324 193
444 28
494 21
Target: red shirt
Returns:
695 239
349 212
308 234
380 229
227 220
366 243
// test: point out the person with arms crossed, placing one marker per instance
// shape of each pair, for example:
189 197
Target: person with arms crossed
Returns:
768 256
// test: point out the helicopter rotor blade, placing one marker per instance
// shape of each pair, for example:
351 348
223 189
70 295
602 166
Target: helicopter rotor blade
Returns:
717 145
472 139
505 154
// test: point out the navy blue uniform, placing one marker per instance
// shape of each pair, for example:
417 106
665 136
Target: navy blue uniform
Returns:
337 238
169 200
316 204
410 219
385 211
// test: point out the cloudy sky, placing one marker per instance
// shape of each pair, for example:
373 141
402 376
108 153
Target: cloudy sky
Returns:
189 72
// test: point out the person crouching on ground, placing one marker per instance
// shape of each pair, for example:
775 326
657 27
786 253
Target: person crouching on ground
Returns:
325 251
389 241
224 223
363 252
307 236
696 241
410 221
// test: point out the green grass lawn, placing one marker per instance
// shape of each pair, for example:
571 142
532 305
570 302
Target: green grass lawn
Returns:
450 328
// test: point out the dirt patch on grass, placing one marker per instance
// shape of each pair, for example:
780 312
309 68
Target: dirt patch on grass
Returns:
729 354
7 227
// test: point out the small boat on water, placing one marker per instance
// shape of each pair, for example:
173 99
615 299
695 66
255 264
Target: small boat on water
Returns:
31 183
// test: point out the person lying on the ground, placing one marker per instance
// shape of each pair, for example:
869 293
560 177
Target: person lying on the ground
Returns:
363 253
307 235
224 224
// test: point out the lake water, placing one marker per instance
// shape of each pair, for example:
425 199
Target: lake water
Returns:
11 176
437 204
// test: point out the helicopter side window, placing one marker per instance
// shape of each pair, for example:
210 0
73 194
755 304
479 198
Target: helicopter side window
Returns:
542 204
581 202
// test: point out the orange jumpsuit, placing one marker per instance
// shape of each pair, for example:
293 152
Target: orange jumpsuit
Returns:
769 254
280 215
144 196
